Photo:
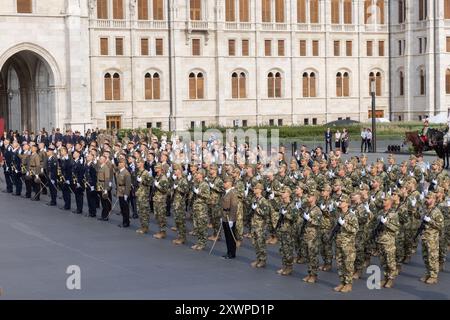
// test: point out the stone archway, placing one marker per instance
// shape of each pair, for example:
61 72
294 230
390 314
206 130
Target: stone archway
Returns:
27 91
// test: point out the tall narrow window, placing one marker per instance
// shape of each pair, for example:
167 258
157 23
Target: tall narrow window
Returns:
339 84
446 9
266 9
302 48
281 48
267 48
231 47
116 86
118 9
380 11
401 11
102 9
369 45
148 87
142 9
305 85
447 81
378 84
230 10
108 87
238 85
314 11
24 6
279 11
315 48
104 46
381 48
196 86
195 9
144 47
402 83
158 10
274 82
195 47
423 9
200 86
152 86
312 85
422 90
245 49
348 18
301 11
278 85
159 47
335 11
349 48
346 85
192 86
337 48
119 46
367 11
371 79
244 11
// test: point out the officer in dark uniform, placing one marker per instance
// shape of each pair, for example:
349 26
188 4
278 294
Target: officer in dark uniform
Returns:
25 168
134 185
52 175
66 170
16 166
90 178
78 177
7 165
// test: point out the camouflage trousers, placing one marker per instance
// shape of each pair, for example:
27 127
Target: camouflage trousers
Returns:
326 246
180 218
160 215
410 243
443 243
430 254
258 238
345 259
360 246
247 217
311 239
214 214
200 221
299 243
239 221
400 245
286 248
387 257
143 207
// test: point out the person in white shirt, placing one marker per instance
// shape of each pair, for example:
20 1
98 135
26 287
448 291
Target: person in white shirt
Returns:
363 140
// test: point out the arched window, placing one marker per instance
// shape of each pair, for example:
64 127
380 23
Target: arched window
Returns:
374 12
422 90
116 86
270 85
447 81
230 10
314 11
142 9
152 86
346 85
195 9
108 87
348 18
244 10
402 83
238 85
196 86
378 84
305 85
102 9
24 6
118 9
301 11
158 10
339 84
309 85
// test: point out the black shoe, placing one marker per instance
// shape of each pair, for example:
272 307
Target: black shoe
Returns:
17 195
135 216
92 216
123 225
227 257
51 204
65 209
35 199
102 219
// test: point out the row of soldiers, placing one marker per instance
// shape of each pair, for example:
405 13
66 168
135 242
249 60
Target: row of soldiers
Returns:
315 207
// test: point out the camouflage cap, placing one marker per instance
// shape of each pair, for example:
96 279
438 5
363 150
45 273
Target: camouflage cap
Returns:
430 195
313 193
326 187
323 162
344 198
404 164
391 156
177 166
259 186
315 164
301 185
165 167
286 189
213 167
202 172
364 186
412 157
337 182
377 179
158 166
228 179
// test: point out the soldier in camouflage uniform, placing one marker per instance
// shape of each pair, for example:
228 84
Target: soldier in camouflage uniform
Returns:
385 238
318 176
443 205
326 205
180 192
415 202
403 217
250 182
260 211
363 215
301 203
200 209
312 217
345 245
392 172
287 221
162 186
347 183
215 211
434 224
240 190
145 182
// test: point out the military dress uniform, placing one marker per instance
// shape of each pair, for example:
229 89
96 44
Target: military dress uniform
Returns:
123 179
104 183
8 168
144 184
35 170
260 211
311 237
214 212
229 205
52 173
200 213
289 214
78 185
180 193
161 189
16 166
90 178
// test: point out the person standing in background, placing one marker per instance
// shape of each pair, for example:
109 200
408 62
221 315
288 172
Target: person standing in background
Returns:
337 139
363 140
328 137
369 141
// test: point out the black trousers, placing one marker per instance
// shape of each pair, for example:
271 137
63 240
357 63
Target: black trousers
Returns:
229 238
363 145
67 197
53 192
17 180
132 203
36 190
92 199
8 181
106 204
328 143
28 186
79 198
124 210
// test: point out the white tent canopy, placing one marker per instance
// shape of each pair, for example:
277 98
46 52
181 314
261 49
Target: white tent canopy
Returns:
441 118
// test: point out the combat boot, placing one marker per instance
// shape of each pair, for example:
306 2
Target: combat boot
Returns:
287 271
431 280
213 238
142 230
424 278
347 288
254 263
280 271
326 267
339 287
389 284
312 279
178 241
160 235
191 233
407 260
238 243
383 282
441 266
300 260
174 229
357 275
199 248
247 235
261 264
306 279
194 247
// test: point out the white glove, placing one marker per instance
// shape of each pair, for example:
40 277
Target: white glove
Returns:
400 181
174 177
92 188
296 152
296 176
156 183
189 177
196 190
52 181
448 203
28 173
426 218
42 170
383 195
298 205
341 221
211 185
411 174
306 216
389 169
110 184
78 185
363 173
428 166
283 211
272 196
268 189
383 220
206 178
125 197
36 176
175 186
434 181
413 202
67 182
139 179
168 174
258 177
367 207
248 185
246 193
254 206
422 196
372 198
322 207
230 223
330 207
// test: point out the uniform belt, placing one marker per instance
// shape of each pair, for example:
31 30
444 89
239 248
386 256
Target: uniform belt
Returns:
122 185
101 180
226 210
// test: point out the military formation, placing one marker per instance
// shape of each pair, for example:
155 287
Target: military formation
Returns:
318 207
